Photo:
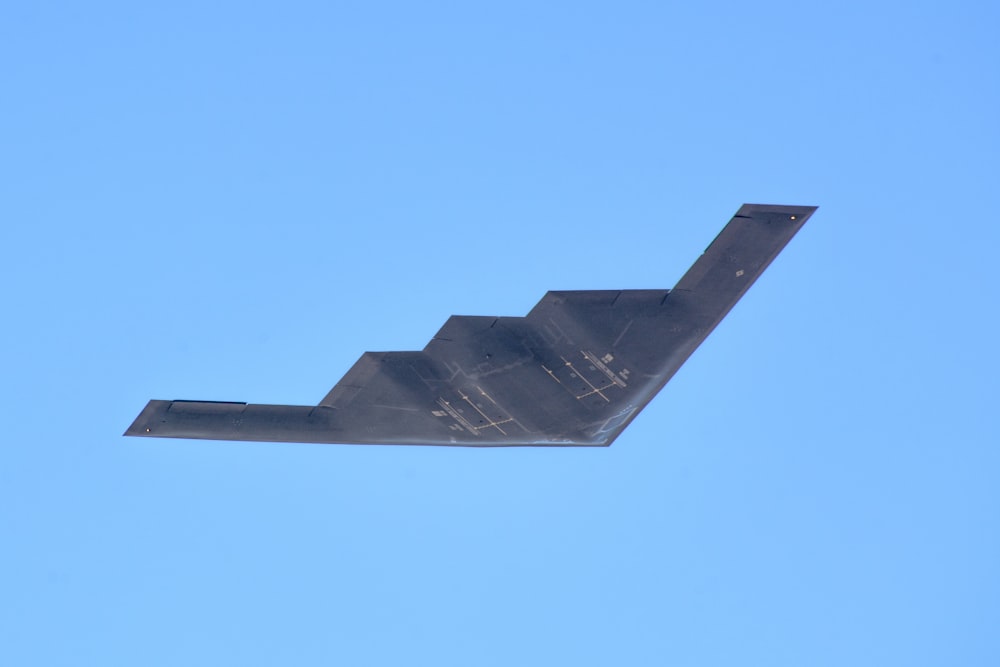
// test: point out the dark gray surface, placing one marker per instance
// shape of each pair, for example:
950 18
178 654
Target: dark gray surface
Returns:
575 371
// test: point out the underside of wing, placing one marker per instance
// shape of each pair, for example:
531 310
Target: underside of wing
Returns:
574 371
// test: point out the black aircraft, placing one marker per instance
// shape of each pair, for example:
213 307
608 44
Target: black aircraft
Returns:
575 371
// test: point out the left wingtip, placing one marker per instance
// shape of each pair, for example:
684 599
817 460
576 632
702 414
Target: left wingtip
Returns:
142 426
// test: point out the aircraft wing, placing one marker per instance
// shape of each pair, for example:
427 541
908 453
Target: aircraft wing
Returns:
574 371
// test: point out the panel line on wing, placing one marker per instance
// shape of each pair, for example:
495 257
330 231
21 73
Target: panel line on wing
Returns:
593 389
457 416
489 422
592 358
622 334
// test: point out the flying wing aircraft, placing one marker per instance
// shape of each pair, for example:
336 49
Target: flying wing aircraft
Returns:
574 371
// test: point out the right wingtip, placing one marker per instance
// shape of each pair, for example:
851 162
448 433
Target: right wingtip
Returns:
799 212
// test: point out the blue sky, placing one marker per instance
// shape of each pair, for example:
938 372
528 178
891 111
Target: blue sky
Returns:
233 201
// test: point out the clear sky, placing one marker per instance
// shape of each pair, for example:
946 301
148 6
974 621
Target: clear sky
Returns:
234 200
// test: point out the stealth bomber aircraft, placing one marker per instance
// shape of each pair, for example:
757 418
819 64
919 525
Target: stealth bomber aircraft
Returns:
574 371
